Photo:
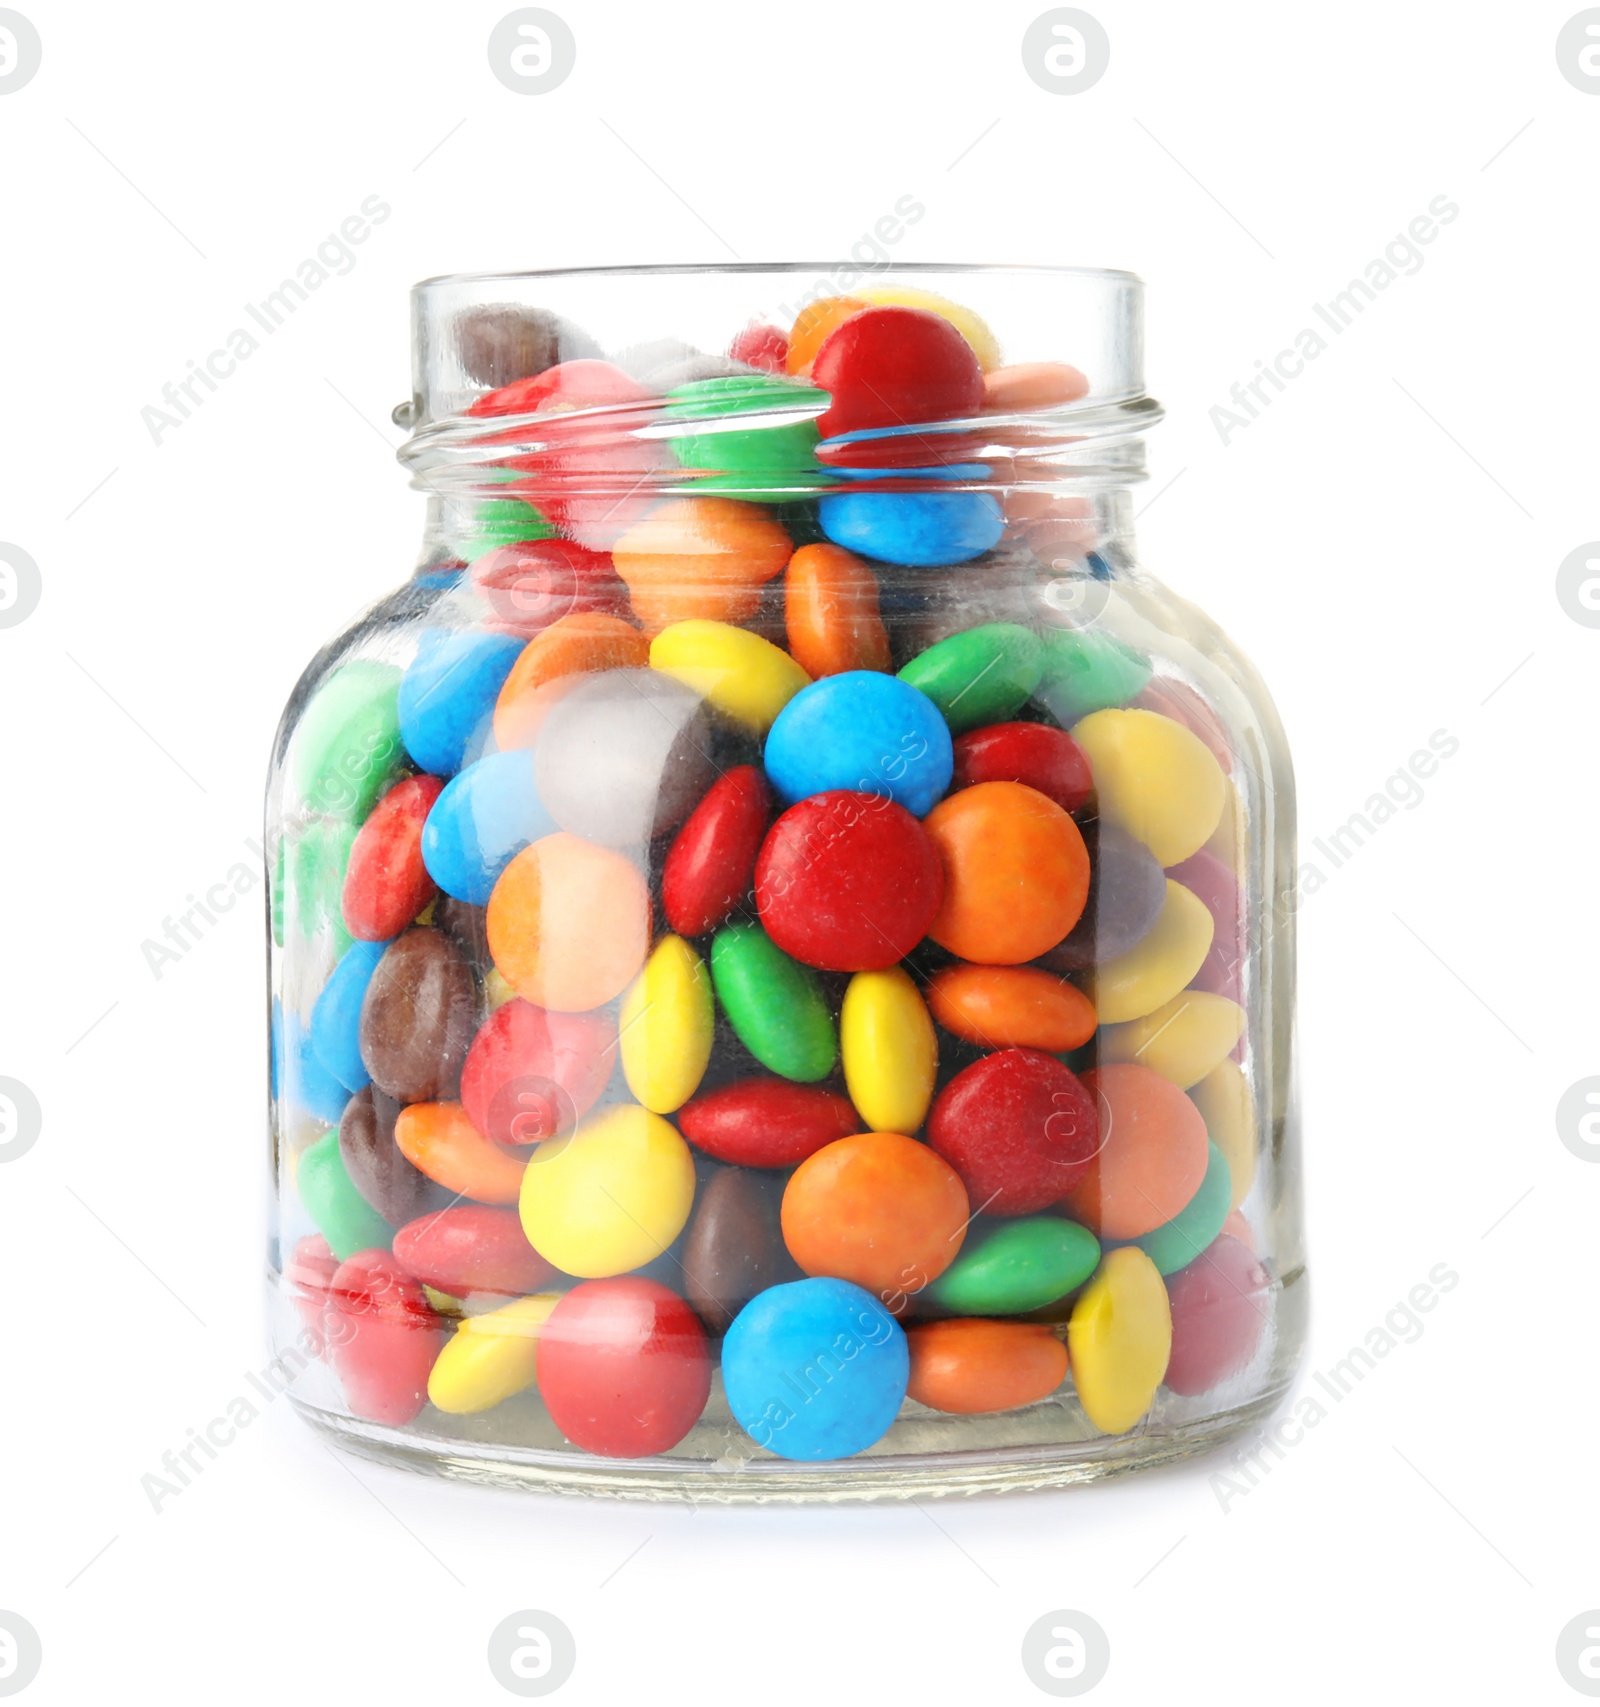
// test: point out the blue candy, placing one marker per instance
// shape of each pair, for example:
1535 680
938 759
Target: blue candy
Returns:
865 731
336 1018
924 530
447 695
299 1078
815 1369
484 818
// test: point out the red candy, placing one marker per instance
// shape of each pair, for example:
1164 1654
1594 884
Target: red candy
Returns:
848 882
707 873
761 346
1220 1307
471 1247
891 367
532 1073
386 884
1046 759
581 384
1019 1128
766 1123
531 584
308 1274
624 1369
382 1338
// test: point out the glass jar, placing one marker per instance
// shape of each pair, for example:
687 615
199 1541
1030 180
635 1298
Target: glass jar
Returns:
782 931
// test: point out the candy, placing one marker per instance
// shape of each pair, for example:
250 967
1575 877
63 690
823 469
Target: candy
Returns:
302 1078
1205 875
1179 1241
387 884
1153 1157
862 731
500 342
1085 670
372 1159
1119 1339
473 530
1221 1305
764 463
1176 699
347 742
336 1018
878 1209
981 676
815 1369
774 1004
1017 1266
484 818
711 862
812 326
1020 1129
973 1367
1183 1039
572 645
491 1356
766 1123
1166 957
307 1275
893 366
1043 758
700 558
609 1197
922 530
760 346
1154 779
1016 873
417 1017
440 1141
532 1073
471 1247
382 1338
890 1052
830 612
740 674
848 882
1228 1107
1127 891
569 923
342 1215
314 870
974 329
447 696
623 756
999 1006
623 1367
533 583
666 1025
734 1249
581 383
1032 385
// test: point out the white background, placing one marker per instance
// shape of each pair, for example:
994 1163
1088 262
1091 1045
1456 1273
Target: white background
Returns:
1383 542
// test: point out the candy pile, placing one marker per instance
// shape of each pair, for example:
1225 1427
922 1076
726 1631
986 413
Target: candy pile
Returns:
753 930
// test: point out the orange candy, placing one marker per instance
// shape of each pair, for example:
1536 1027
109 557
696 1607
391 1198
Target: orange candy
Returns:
1016 873
438 1139
700 557
813 324
879 1209
970 1366
1007 1007
569 923
1033 385
571 645
1152 1157
830 610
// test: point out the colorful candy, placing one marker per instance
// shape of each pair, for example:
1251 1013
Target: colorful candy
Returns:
440 1141
1012 1267
922 530
1183 1039
471 1247
734 1247
775 1005
743 676
447 696
831 615
971 1367
1176 1243
890 1052
1119 1340
665 1026
980 676
342 1215
382 1338
1228 1107
766 1123
1046 759
1001 1006
700 559
709 868
377 1166
531 1073
484 818
1153 778
1153 1156
1161 963
492 1357
1221 1307
387 884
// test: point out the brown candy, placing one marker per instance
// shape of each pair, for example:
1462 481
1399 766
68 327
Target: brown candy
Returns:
500 343
397 1190
418 1017
735 1246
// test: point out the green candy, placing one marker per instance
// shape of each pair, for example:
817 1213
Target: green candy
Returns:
280 868
316 866
761 464
1176 1243
347 745
1020 1266
1085 670
774 1004
981 676
480 525
343 1216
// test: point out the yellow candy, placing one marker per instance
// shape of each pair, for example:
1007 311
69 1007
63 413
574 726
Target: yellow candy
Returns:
496 991
1119 1338
1155 779
1228 1107
1183 1039
490 1357
748 678
891 1055
611 1196
666 1027
1155 970
985 346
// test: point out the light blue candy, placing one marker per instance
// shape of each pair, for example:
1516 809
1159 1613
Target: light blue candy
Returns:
864 731
336 1018
447 695
483 819
302 1081
816 1369
1176 1243
924 530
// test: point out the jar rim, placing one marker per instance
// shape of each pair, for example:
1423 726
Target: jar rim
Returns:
672 269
